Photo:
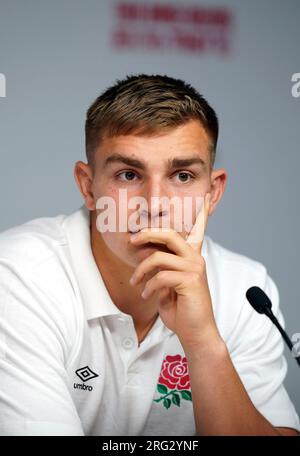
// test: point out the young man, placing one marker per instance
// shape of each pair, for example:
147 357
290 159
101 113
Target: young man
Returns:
103 333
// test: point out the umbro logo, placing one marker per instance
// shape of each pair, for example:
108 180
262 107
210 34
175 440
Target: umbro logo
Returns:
85 374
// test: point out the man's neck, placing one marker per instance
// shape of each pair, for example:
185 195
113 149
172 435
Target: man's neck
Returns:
116 274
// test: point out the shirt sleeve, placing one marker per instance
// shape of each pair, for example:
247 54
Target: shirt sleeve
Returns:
259 359
34 394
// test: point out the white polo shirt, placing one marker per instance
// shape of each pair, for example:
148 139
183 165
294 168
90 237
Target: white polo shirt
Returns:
70 363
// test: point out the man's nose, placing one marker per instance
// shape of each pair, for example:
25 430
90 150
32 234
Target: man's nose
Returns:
156 195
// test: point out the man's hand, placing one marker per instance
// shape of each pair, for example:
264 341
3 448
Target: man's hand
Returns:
220 401
185 304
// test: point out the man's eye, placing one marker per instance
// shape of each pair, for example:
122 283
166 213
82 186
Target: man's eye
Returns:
128 176
184 176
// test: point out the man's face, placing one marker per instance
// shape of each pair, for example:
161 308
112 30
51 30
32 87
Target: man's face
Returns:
173 164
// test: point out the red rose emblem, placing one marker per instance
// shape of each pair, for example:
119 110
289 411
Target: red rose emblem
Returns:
174 373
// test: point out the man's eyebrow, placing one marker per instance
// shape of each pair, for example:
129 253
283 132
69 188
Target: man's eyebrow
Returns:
119 158
182 162
171 163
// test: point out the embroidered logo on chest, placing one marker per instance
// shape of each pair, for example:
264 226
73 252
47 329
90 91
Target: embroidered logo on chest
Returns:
85 374
174 381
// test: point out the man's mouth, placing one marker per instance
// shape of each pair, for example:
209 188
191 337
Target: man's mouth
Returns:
140 229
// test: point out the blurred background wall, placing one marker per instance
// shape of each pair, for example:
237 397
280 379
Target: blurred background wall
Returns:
56 57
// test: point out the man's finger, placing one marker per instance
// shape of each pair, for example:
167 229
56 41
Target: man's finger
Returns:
196 236
171 239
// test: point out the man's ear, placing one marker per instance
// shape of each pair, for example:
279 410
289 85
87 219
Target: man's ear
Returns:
84 178
218 182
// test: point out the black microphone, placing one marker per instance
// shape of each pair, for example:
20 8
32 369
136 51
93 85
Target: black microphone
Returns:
262 304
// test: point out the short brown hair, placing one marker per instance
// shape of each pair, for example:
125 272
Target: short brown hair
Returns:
146 105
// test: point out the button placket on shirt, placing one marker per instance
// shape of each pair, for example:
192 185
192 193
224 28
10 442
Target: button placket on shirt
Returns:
130 350
126 331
